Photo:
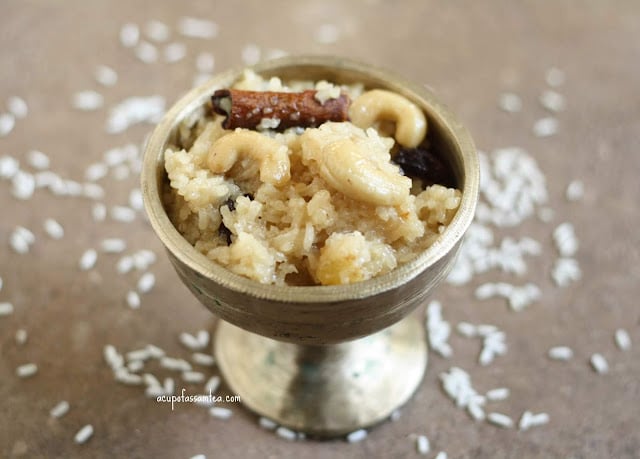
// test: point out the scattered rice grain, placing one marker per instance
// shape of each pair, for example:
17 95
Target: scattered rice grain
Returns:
197 27
27 370
157 31
193 377
286 433
599 363
267 423
129 35
88 260
554 77
105 75
174 52
53 228
510 102
113 245
6 309
545 127
575 190
133 299
23 185
18 107
88 100
99 212
38 160
205 62
146 282
123 214
212 384
220 412
422 445
500 420
7 122
83 434
146 52
552 101
21 336
60 409
501 393
623 340
326 34
205 360
9 166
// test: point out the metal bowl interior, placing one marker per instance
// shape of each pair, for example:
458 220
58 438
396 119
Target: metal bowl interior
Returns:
315 314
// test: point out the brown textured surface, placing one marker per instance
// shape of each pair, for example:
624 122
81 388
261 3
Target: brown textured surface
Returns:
468 52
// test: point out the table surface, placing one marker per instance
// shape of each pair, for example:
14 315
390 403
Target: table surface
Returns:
469 53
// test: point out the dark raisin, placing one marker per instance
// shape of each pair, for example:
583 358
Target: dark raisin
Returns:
225 233
230 203
424 164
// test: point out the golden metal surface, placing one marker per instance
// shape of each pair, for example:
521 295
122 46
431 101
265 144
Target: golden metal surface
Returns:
324 390
314 316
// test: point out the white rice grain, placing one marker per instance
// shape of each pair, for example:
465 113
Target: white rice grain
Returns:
38 160
545 127
113 245
146 282
27 370
552 101
622 339
202 359
9 166
441 455
501 393
135 365
139 355
146 52
133 299
129 35
135 110
510 102
326 34
203 338
7 123
157 31
124 265
135 199
23 185
122 214
286 433
169 386
599 363
197 27
193 377
88 260
53 229
212 384
18 107
422 445
395 415
357 436
21 336
113 358
575 190
174 52
83 435
88 100
95 172
6 309
143 259
198 456
500 420
155 352
565 239
267 423
205 62
565 271
99 212
174 364
220 412
130 379
105 75
92 191
60 409
528 420
189 341
251 54
121 172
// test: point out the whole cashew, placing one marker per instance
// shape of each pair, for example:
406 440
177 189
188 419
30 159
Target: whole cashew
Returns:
346 163
272 155
378 104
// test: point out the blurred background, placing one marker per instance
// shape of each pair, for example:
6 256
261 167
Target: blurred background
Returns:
68 73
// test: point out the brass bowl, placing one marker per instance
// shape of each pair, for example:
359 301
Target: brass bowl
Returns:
315 319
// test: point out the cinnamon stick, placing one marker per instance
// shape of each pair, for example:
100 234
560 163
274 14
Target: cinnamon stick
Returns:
247 109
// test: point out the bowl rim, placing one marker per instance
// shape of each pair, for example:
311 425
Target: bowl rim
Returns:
183 251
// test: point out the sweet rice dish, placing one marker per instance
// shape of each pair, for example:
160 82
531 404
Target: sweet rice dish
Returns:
307 183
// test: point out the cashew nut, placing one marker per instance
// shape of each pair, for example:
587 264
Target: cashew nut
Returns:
355 164
272 155
377 105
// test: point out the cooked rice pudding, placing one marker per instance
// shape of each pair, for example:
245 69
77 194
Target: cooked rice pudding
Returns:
305 183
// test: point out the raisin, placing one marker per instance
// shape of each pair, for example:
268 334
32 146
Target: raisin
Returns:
424 164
